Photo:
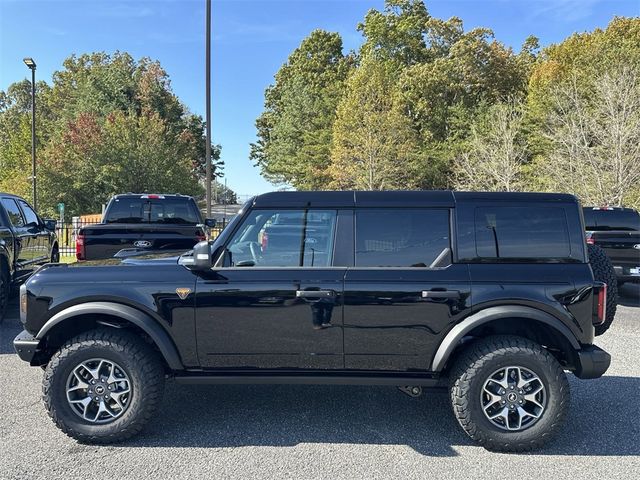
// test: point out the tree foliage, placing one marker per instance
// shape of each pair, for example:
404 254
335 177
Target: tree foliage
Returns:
373 141
295 129
425 104
107 124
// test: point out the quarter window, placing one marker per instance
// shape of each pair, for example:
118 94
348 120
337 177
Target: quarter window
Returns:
15 217
402 238
521 232
284 238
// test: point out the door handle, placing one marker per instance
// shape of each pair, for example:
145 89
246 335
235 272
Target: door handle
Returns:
440 294
315 293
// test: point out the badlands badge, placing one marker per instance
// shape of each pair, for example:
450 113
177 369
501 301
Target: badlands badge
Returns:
183 292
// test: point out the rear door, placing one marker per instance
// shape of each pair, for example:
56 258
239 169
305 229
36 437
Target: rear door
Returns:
404 292
276 302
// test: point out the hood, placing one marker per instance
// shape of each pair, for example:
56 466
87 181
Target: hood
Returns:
140 258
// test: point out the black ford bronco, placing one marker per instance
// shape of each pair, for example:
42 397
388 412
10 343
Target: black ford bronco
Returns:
487 294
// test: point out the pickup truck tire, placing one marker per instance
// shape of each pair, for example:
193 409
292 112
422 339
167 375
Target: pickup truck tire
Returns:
137 373
603 272
5 288
522 362
55 254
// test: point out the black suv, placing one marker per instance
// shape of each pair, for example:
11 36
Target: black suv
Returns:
487 294
26 242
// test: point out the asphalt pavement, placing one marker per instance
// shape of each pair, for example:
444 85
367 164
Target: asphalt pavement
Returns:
326 432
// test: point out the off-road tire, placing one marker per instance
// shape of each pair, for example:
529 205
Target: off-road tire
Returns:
477 363
55 254
5 288
140 362
603 272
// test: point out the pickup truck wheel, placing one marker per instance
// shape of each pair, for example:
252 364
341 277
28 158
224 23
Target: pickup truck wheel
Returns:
103 386
603 272
55 254
509 394
5 288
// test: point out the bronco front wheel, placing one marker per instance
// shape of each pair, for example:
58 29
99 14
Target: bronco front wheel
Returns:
103 386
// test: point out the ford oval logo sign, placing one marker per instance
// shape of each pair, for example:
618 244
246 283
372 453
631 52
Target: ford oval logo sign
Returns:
142 244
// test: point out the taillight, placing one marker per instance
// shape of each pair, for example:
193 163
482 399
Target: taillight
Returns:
80 246
590 239
600 307
264 243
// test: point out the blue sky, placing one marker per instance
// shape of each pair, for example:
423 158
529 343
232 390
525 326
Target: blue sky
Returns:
251 39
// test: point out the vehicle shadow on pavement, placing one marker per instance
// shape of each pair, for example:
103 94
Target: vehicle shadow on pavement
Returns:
602 421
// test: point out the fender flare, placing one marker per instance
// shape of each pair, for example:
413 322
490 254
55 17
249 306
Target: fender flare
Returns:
159 336
451 340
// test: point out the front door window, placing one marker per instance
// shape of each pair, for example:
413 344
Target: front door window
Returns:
284 238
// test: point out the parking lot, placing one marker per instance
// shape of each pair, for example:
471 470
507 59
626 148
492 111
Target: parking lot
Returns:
329 432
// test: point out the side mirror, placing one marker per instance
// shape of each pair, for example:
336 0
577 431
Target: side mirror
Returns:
210 222
50 224
201 256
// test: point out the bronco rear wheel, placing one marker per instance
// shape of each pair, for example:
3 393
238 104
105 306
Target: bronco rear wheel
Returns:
509 394
103 386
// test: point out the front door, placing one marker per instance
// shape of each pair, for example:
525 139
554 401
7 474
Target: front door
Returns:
25 241
275 300
404 293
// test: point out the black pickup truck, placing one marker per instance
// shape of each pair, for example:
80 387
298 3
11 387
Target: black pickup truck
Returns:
26 242
144 222
489 295
617 231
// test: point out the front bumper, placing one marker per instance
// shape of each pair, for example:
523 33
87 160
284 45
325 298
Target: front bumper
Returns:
592 362
26 346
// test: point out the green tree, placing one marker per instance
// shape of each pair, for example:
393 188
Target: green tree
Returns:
295 129
107 124
374 143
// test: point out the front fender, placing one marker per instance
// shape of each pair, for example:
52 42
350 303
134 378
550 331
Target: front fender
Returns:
159 336
490 314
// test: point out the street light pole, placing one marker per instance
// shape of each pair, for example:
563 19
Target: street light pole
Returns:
208 107
32 66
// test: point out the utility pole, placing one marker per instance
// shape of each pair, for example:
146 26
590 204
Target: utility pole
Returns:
208 108
32 66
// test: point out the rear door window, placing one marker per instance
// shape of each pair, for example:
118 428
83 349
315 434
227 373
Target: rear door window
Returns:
15 216
521 233
402 238
30 216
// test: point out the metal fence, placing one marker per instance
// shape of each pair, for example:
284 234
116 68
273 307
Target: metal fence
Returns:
68 231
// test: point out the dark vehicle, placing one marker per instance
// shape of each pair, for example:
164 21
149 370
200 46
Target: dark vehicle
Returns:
26 242
487 294
617 231
143 221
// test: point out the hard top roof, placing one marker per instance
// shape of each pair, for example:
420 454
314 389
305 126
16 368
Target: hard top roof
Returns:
399 198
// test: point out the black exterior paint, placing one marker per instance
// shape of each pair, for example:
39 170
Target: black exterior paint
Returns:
23 249
363 321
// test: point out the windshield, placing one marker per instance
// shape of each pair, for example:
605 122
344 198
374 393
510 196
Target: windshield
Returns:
180 211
